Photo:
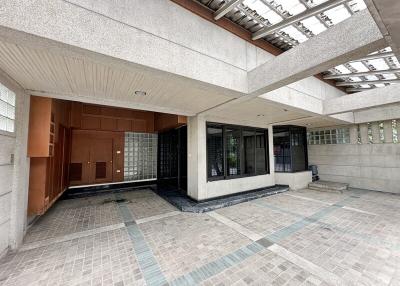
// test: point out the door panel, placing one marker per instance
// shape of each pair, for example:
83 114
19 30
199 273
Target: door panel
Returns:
101 155
80 159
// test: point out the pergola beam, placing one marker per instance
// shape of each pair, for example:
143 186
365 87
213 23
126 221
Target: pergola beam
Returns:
297 18
374 57
346 75
226 8
362 100
348 40
351 83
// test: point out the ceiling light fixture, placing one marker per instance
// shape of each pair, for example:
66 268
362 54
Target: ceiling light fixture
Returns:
140 93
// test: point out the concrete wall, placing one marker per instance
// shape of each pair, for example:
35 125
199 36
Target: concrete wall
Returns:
296 181
7 142
14 173
373 166
198 186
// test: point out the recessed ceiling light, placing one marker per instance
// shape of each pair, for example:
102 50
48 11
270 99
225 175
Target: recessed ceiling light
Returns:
140 93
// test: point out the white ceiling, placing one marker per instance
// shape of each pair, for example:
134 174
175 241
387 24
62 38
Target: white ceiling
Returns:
71 77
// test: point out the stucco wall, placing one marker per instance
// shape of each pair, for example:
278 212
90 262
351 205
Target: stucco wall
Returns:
369 166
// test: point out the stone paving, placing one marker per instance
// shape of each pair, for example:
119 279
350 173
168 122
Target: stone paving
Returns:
136 238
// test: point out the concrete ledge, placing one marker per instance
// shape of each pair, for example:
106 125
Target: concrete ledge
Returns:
328 186
296 181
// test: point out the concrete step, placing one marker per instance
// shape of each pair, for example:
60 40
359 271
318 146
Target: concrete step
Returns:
328 186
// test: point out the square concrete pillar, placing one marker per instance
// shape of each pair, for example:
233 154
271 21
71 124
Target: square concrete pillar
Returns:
364 133
197 158
388 131
375 133
353 134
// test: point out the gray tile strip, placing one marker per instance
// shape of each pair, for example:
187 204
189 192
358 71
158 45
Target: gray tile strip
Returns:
147 262
71 236
307 265
217 266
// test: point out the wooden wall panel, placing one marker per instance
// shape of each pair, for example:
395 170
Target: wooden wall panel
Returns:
39 126
163 121
37 185
124 125
102 118
91 123
109 124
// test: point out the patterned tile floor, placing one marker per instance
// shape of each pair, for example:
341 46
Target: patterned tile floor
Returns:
136 238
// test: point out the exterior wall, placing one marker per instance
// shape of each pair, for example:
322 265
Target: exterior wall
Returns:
295 181
373 166
198 186
7 142
14 173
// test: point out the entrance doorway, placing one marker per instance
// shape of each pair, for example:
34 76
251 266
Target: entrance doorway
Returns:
172 158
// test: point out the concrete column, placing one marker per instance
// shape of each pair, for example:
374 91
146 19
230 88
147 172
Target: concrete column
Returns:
353 134
197 158
375 132
364 133
19 199
387 125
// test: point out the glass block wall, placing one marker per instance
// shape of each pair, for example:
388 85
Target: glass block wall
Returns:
7 109
140 156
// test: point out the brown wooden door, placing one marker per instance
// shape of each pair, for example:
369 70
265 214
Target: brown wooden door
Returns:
101 156
79 168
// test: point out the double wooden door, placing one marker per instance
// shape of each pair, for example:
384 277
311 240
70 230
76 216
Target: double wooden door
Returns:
96 157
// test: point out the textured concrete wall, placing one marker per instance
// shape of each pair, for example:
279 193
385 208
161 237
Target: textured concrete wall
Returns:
296 181
14 173
198 186
7 142
373 166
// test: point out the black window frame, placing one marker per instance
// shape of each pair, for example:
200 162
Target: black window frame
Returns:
225 176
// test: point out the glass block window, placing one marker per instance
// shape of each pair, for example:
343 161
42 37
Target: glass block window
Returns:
7 109
395 131
140 156
329 136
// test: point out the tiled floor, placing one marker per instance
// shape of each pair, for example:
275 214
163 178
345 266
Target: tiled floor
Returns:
136 238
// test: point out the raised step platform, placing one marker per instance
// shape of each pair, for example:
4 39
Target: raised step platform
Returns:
328 186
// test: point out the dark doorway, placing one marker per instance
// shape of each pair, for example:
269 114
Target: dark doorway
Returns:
172 158
290 149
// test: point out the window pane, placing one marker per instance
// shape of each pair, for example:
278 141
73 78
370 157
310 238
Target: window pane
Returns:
233 151
215 152
261 162
249 151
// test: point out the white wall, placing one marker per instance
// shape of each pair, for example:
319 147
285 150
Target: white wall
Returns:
14 174
368 166
198 186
